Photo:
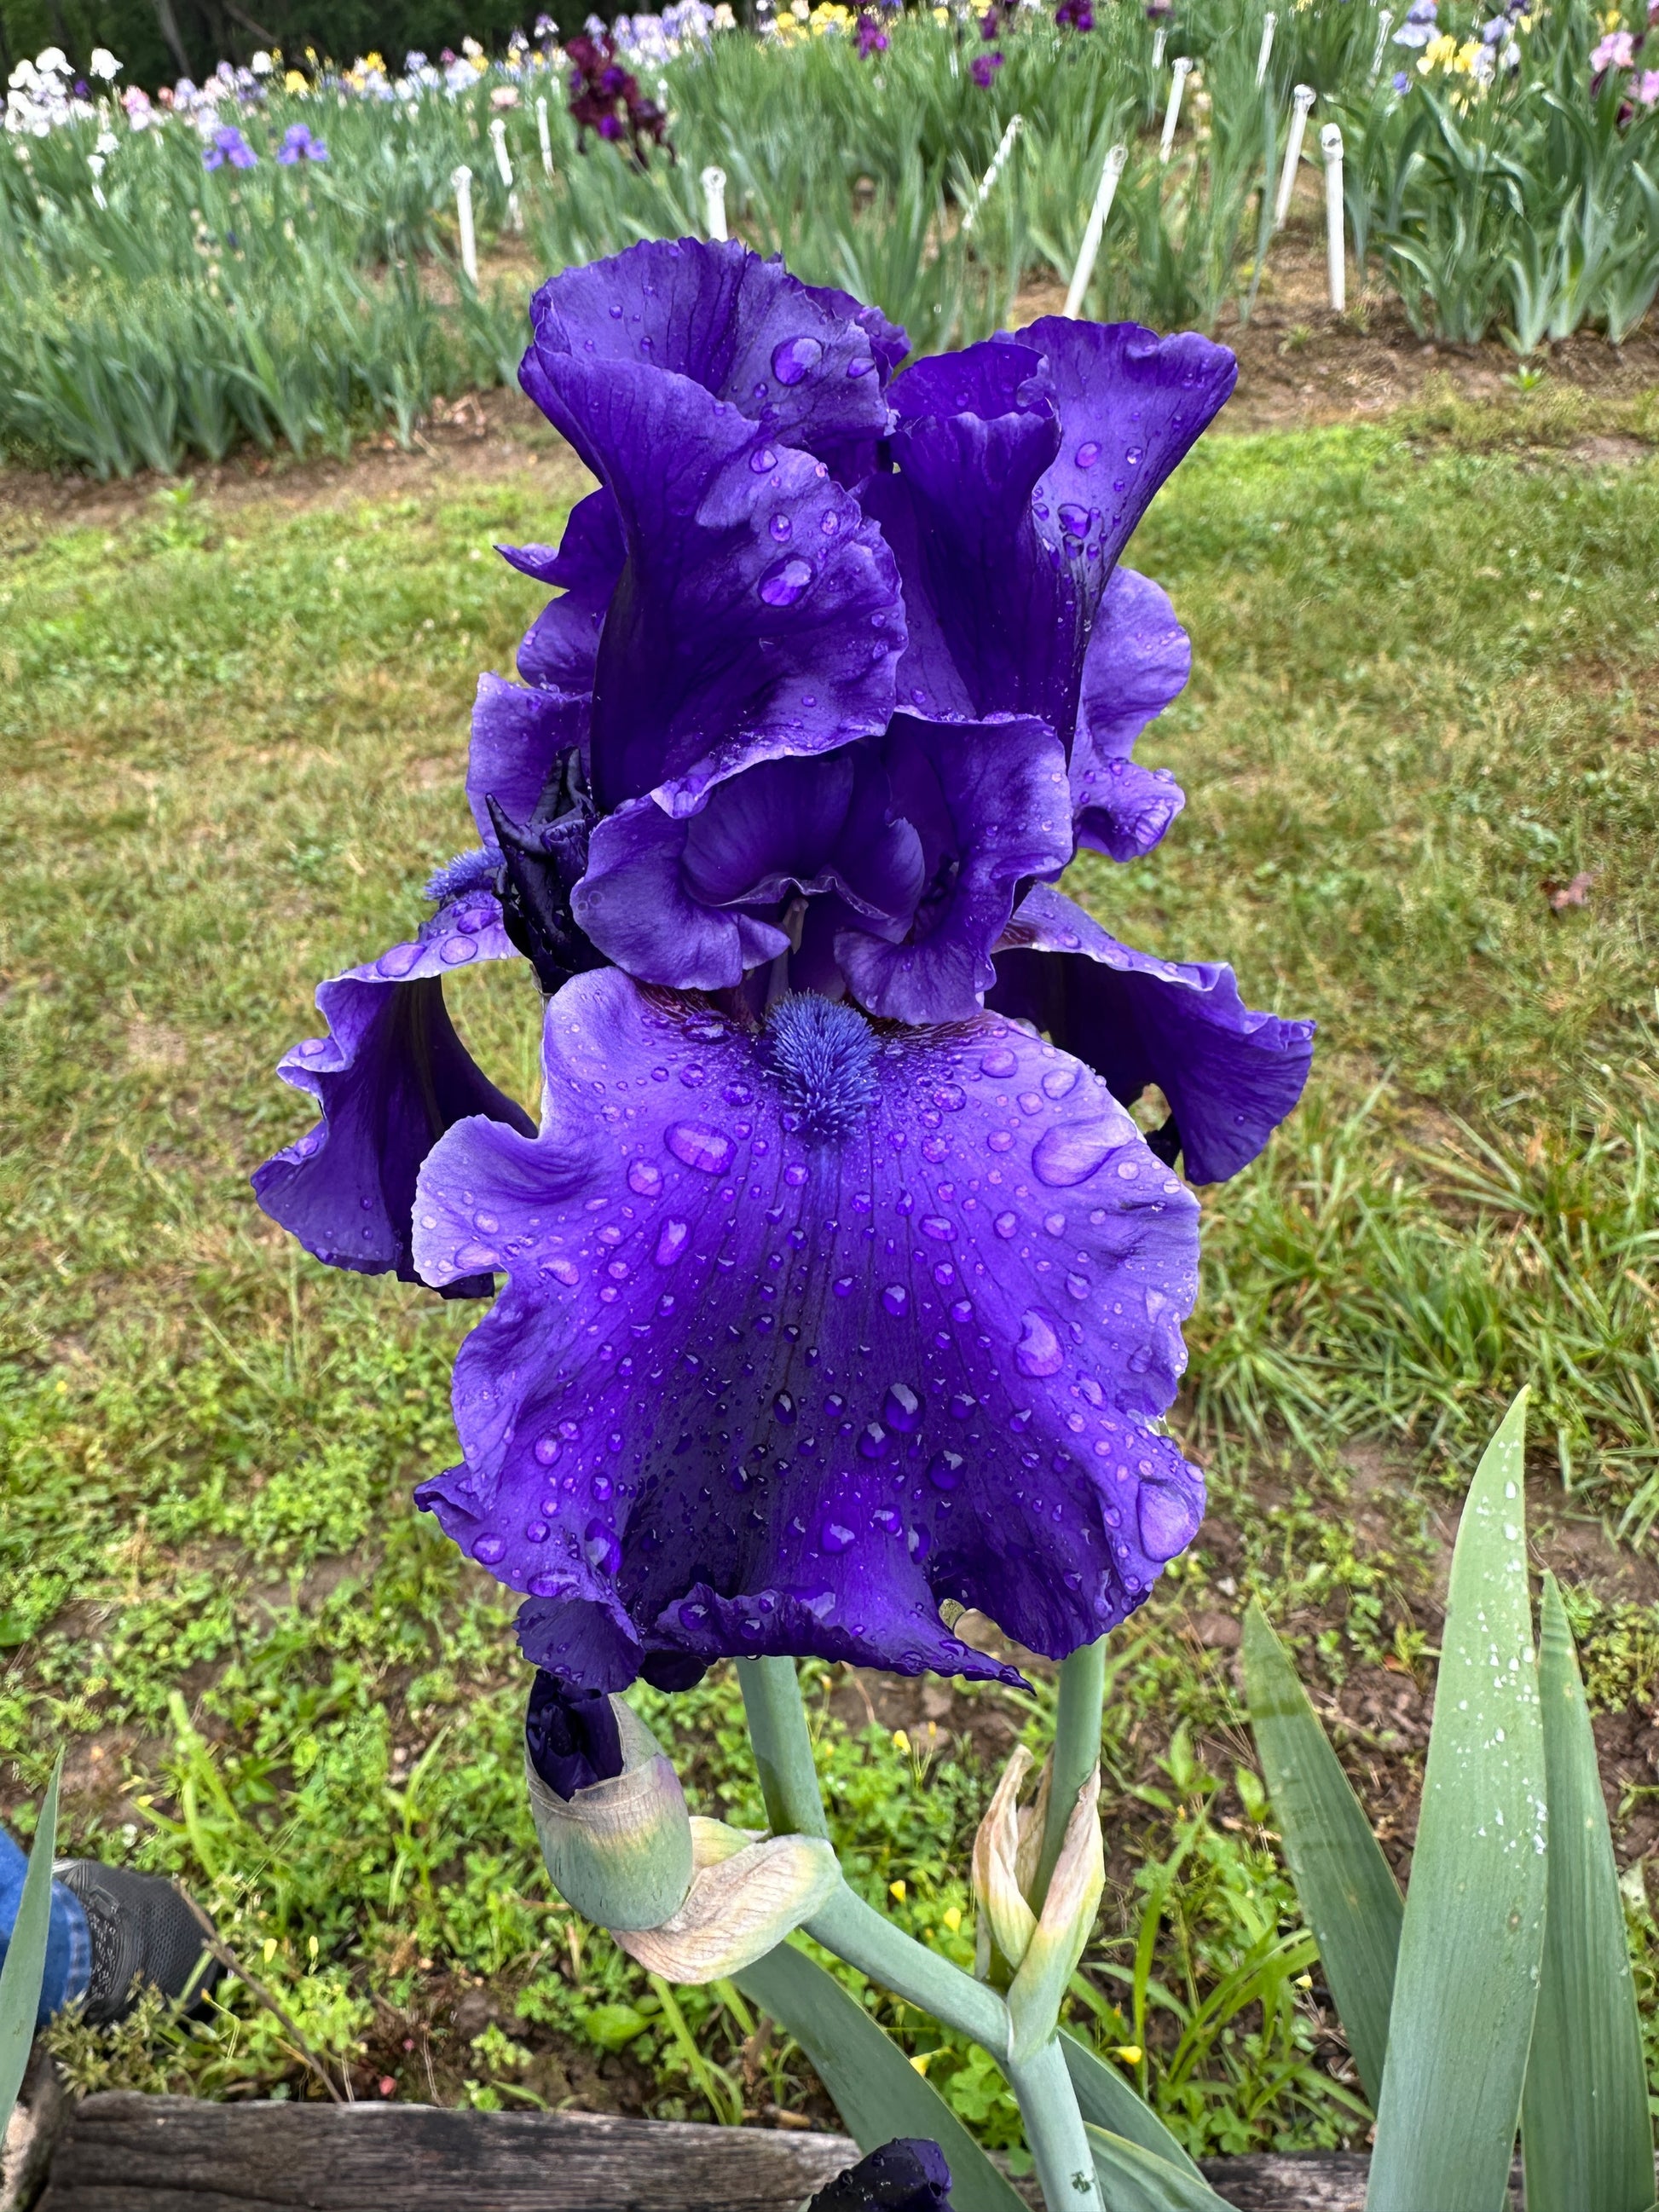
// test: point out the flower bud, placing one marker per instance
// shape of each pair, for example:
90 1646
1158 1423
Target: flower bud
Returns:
745 1896
618 1849
1033 1957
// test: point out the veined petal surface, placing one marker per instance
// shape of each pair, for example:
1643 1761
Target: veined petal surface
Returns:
808 1327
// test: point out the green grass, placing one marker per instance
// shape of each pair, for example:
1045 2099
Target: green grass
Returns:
232 741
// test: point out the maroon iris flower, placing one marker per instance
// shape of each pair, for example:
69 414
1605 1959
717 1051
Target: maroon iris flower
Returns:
837 1281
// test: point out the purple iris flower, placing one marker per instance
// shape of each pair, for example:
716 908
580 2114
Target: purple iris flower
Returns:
299 145
228 144
909 2175
1421 23
837 1279
983 67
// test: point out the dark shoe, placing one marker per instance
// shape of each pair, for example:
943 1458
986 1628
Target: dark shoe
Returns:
142 1931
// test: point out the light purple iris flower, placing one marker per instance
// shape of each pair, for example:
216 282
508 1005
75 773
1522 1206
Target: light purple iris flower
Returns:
228 145
838 1281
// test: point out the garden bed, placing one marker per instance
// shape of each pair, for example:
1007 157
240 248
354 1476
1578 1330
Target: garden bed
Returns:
130 2154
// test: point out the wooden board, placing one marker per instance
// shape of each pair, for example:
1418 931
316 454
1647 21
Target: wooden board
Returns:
132 2154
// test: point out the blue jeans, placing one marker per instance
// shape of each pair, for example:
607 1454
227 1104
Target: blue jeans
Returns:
68 1945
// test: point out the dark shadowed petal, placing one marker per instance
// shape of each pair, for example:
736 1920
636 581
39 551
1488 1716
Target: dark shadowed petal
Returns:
807 1329
1137 661
1131 404
518 734
993 619
1231 1076
993 807
573 1742
909 2175
389 1078
695 900
757 612
807 364
562 644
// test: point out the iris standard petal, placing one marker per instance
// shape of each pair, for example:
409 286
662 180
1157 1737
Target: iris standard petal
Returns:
1137 661
389 1078
808 1327
694 901
1131 405
757 612
562 643
1231 1075
807 364
992 618
993 807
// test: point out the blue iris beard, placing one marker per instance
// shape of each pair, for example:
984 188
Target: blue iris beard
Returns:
825 1054
467 871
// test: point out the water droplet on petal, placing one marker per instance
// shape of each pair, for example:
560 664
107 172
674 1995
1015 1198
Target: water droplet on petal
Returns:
944 1469
781 528
783 1409
697 1145
673 1242
1074 520
896 1299
600 1547
643 1179
1088 453
901 1408
1167 1519
1000 1062
788 581
795 358
1070 1153
1038 1352
765 458
834 1537
1006 1225
488 1550
566 1272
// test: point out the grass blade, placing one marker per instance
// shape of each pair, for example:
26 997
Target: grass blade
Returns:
1346 1888
26 1954
1472 1942
1584 2124
876 2091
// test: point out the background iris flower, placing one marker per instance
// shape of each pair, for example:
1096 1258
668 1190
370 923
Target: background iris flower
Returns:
838 1280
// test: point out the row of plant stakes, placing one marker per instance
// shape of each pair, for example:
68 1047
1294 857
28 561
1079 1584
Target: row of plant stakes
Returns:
274 256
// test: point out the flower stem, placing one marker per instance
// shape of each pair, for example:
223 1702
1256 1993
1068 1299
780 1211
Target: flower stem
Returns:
1077 1751
1054 2133
867 1939
847 1926
783 1748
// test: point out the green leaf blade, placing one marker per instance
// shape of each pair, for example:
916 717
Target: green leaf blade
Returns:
1106 2100
1134 2179
1345 1887
1585 2125
876 2091
26 1954
1472 1942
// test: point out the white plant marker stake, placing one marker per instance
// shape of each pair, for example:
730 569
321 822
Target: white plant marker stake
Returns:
95 163
1111 170
1302 101
1158 38
988 182
503 160
1336 267
542 132
1269 23
1182 71
1385 24
713 201
462 180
